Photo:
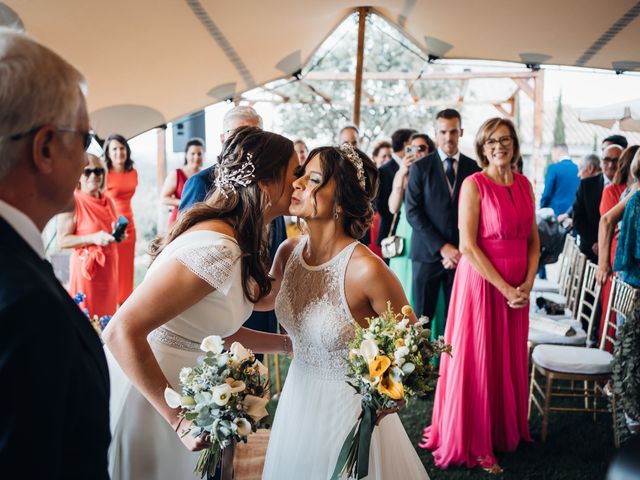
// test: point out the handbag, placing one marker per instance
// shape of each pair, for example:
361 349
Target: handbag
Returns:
392 245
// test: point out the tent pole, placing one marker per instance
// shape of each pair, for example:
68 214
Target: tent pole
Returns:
363 12
538 124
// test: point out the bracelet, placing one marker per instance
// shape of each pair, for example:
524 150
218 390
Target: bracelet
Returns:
178 425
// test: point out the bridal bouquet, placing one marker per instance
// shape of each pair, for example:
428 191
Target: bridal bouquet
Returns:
389 363
224 397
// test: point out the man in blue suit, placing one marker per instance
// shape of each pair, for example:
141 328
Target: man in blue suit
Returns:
561 182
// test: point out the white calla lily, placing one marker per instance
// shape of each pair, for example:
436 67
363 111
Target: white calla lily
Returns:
244 426
256 407
368 349
172 398
220 394
212 343
262 370
239 353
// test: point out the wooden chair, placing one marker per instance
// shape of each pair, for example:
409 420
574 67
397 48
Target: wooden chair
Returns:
571 364
544 285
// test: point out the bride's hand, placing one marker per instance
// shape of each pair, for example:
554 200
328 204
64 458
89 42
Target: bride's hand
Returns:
380 414
193 444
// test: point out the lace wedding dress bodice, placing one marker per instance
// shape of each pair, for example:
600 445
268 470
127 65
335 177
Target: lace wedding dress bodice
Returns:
313 308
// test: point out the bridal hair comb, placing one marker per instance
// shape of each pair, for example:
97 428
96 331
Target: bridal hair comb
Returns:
350 154
228 180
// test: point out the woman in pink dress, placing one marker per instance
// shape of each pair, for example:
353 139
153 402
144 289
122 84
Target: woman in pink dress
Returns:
481 398
174 183
122 182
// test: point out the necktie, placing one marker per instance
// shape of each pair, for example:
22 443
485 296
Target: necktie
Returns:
450 172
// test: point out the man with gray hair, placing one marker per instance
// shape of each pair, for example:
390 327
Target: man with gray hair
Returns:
589 166
52 366
198 186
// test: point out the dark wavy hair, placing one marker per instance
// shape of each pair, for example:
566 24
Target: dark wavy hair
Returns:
624 165
355 202
128 163
243 207
193 142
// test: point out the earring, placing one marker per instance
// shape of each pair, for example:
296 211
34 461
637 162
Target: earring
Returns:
335 215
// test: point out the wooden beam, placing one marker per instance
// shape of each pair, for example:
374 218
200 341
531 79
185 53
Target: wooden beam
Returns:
464 86
161 157
362 18
525 86
502 110
415 76
412 92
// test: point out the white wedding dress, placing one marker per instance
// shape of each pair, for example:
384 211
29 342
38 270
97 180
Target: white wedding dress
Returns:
144 446
317 409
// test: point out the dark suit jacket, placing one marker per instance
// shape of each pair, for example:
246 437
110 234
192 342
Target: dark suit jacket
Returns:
586 213
431 210
54 407
381 203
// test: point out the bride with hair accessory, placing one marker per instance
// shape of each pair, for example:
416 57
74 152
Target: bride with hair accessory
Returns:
326 281
205 279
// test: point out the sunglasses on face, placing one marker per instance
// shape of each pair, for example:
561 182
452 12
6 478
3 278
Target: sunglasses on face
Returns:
98 172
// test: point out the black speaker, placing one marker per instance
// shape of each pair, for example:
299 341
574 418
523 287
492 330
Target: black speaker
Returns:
186 128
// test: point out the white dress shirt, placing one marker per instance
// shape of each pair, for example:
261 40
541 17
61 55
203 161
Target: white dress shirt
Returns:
24 226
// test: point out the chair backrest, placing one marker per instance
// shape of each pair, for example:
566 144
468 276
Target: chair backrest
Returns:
569 253
589 297
575 284
622 300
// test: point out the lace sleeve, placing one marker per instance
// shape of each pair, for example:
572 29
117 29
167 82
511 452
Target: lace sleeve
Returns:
212 263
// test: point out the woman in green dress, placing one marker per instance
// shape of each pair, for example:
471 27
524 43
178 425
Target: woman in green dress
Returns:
420 145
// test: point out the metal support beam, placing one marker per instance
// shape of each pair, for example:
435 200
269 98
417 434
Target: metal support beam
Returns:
538 124
362 12
415 76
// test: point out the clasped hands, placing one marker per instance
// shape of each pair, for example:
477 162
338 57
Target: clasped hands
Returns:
450 256
517 297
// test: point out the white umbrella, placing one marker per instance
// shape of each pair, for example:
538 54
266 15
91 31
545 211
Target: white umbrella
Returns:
627 114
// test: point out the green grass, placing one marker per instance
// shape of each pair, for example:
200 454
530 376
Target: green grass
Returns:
576 446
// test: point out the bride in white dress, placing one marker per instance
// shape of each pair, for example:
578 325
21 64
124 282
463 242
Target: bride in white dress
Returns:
204 281
326 280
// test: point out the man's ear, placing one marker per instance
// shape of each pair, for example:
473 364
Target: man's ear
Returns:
43 149
461 131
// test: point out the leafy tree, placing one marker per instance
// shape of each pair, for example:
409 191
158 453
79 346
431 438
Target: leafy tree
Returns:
558 126
384 103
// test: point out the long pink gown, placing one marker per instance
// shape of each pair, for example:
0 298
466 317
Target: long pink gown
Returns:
481 398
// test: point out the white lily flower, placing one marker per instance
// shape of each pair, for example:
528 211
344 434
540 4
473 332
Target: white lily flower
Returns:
220 394
368 349
244 426
212 343
401 352
239 353
255 407
236 385
397 374
172 398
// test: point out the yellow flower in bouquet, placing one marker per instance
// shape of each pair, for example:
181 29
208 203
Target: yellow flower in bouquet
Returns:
378 366
393 390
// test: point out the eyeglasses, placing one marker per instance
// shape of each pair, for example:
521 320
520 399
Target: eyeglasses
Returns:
98 172
505 141
86 136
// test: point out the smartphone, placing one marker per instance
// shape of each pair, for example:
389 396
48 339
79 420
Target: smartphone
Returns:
411 149
119 228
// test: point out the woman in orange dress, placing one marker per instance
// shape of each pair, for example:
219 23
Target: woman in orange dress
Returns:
611 196
121 185
87 229
174 183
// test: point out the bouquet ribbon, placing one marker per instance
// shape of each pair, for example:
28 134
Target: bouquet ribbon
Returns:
354 454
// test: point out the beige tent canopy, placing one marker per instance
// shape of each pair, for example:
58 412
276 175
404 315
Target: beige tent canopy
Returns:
151 61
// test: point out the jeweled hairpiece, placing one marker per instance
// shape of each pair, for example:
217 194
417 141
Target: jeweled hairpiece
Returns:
228 180
350 154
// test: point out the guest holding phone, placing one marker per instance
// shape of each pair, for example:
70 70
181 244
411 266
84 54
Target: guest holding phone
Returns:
121 186
88 228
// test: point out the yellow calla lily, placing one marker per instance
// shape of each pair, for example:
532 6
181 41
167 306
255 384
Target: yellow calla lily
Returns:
393 390
379 365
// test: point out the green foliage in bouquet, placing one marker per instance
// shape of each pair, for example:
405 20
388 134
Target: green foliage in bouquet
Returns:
224 397
389 363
